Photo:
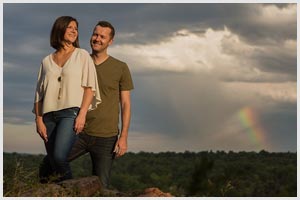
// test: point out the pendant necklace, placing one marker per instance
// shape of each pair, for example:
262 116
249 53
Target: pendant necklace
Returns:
59 91
59 79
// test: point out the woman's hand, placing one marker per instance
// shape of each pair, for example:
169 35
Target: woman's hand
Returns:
41 128
79 122
86 101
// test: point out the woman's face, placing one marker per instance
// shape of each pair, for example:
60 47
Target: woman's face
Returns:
71 32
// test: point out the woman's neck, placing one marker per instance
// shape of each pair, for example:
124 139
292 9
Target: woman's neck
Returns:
67 48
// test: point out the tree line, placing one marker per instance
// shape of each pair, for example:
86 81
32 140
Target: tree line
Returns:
206 173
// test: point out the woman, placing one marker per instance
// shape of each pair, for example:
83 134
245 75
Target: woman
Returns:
66 89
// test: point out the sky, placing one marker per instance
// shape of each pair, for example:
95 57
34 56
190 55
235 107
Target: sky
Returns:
207 76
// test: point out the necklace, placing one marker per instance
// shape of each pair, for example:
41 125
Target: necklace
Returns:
59 91
60 57
63 58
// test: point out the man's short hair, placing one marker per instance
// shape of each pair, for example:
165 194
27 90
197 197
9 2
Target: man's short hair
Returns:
108 25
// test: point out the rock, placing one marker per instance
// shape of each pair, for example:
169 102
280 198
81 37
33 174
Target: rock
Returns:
85 187
154 192
47 190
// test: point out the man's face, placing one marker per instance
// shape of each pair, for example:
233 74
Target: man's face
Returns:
101 39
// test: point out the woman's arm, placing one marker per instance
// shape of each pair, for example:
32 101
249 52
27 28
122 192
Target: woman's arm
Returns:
40 126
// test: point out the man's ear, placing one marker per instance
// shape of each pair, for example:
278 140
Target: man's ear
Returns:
111 41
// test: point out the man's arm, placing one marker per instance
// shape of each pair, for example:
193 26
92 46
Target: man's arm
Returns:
121 146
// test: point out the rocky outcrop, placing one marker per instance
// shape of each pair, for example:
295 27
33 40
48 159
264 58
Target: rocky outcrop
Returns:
84 187
154 192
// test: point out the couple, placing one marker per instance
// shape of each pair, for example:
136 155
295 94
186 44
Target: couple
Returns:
71 117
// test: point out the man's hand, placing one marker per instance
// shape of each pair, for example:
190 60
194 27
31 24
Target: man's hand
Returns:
121 146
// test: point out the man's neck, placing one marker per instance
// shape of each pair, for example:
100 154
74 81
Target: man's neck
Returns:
99 58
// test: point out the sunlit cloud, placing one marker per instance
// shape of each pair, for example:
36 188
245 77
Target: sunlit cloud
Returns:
275 92
267 14
218 52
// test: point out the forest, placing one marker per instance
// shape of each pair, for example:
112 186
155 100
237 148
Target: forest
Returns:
188 174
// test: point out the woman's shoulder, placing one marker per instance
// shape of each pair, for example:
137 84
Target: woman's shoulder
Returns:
47 58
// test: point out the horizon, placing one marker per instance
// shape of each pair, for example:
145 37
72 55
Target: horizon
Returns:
180 152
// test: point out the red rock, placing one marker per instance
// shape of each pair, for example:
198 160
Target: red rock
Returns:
154 192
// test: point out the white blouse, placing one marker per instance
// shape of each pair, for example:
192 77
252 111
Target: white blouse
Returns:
62 87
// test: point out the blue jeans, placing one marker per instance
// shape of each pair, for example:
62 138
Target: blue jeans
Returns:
101 152
61 137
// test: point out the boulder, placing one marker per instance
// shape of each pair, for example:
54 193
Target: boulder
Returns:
154 192
85 187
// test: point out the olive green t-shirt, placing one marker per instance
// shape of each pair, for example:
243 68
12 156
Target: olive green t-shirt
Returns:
113 77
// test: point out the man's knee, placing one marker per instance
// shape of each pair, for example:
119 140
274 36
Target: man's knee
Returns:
79 148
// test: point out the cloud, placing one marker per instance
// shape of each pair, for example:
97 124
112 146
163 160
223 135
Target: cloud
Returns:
220 53
27 46
261 24
275 92
267 13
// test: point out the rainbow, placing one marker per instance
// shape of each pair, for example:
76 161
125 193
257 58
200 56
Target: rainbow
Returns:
250 121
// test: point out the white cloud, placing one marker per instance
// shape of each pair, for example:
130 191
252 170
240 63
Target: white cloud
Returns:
220 53
9 66
274 92
125 36
29 46
271 15
290 46
184 51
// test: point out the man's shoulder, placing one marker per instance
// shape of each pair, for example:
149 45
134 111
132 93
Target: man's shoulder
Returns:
117 61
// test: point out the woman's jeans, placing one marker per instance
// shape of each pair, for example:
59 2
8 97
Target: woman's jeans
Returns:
61 137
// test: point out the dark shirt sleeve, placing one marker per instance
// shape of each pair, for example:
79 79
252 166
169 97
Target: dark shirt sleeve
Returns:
126 80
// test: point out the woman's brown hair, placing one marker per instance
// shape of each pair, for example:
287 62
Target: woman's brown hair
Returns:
58 31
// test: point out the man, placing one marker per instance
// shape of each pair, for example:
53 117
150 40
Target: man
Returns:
101 136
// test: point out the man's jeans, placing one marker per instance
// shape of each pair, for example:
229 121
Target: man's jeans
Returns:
101 152
61 137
